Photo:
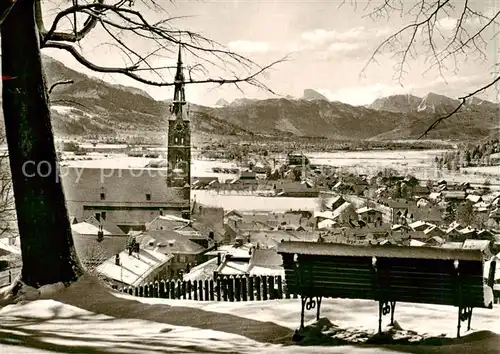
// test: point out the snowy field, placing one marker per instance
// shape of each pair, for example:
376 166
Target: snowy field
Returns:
419 163
253 203
86 318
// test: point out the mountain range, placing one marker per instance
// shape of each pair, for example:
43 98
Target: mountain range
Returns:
92 106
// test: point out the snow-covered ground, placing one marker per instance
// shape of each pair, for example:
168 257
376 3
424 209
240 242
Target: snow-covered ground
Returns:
362 314
86 318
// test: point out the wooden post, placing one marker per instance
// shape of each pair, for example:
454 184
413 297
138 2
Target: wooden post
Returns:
264 288
141 291
172 289
230 284
271 288
151 289
237 288
178 292
280 287
189 289
211 285
167 289
156 287
200 289
184 290
161 289
250 287
207 291
218 289
136 291
225 288
257 287
195 290
244 290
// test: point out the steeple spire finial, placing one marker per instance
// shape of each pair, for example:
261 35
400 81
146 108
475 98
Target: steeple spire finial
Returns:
179 95
179 56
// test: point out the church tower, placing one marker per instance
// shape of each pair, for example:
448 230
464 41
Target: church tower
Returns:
179 140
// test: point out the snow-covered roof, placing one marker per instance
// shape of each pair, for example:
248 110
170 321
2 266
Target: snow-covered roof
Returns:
364 210
467 230
430 228
236 252
476 244
324 214
340 209
85 228
202 271
269 271
173 218
326 224
416 243
233 268
452 245
135 268
417 224
168 241
473 198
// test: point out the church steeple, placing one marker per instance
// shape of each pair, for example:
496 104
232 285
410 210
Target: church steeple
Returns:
179 140
179 94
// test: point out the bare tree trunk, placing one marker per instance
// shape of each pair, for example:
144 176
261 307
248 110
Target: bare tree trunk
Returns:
47 247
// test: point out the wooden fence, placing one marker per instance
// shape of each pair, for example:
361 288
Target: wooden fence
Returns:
8 276
224 288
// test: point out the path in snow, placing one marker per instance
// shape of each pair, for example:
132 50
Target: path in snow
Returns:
89 295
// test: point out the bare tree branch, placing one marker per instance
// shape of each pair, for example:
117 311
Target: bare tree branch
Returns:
440 45
130 71
463 101
122 24
5 9
57 83
76 36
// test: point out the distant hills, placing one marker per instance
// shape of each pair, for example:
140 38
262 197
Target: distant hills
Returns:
92 106
311 95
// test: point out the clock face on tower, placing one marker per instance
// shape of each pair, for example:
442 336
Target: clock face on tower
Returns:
179 127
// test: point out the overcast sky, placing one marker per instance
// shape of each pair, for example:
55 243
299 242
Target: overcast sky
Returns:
327 46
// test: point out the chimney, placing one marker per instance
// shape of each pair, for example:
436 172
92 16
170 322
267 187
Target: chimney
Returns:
117 259
218 258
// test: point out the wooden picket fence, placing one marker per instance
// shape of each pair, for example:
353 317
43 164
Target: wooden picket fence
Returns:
224 288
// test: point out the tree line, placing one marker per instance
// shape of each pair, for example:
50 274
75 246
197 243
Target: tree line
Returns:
468 156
